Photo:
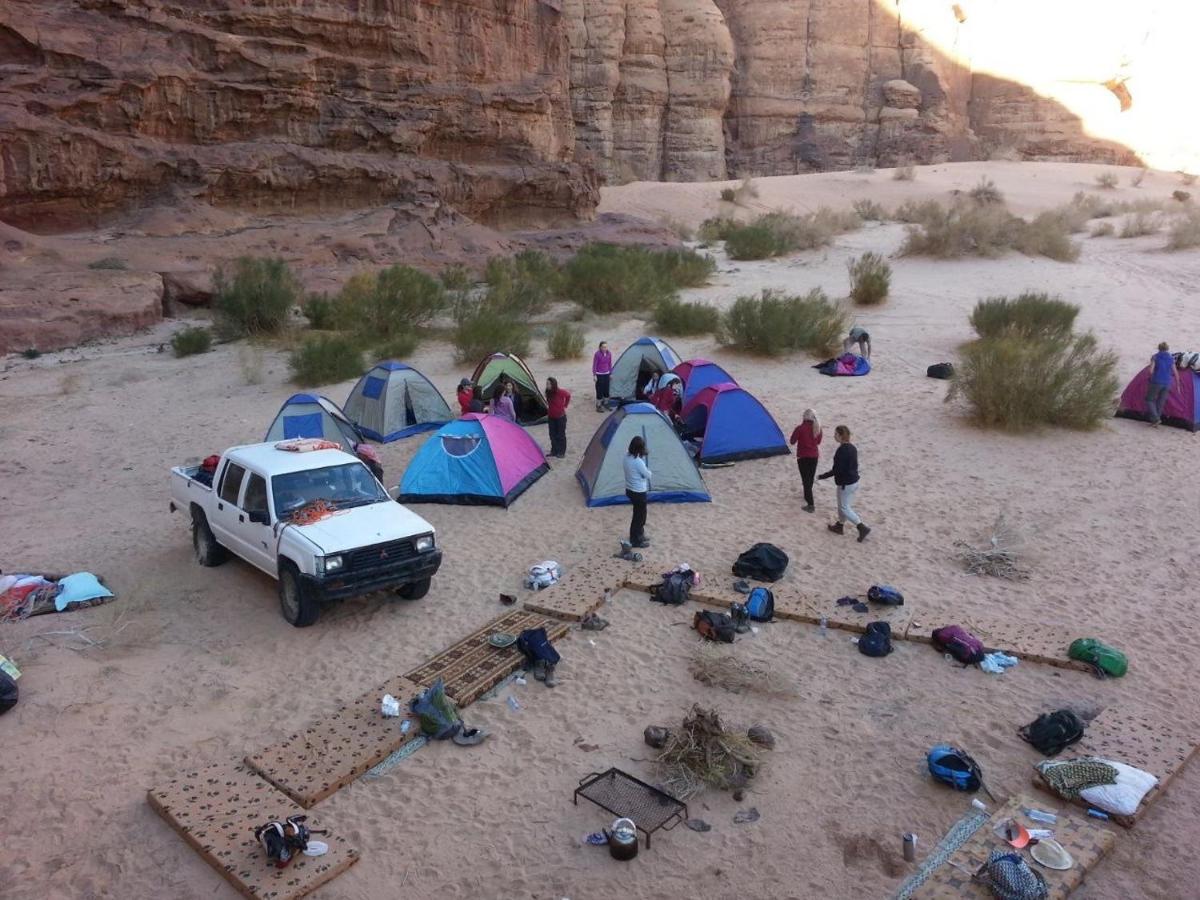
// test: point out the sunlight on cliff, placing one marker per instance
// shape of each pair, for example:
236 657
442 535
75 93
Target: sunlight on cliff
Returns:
1089 56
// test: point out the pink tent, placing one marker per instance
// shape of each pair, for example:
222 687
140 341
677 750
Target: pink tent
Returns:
1183 403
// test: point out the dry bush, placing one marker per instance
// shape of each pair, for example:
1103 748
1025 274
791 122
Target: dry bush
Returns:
1185 232
70 383
703 753
986 192
250 363
1049 235
1187 178
998 556
988 230
870 279
565 342
1181 196
1140 225
1137 178
680 229
717 228
904 173
729 195
1031 315
1104 229
720 668
191 340
870 211
775 323
109 262
1107 180
1093 206
918 212
747 190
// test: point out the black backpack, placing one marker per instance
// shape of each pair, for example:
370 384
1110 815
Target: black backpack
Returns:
675 589
762 562
877 641
714 626
940 370
1051 733
8 692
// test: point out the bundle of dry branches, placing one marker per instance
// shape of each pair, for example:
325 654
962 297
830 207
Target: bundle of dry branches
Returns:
712 666
998 557
702 753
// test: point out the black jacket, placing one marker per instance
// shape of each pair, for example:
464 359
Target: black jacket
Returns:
845 465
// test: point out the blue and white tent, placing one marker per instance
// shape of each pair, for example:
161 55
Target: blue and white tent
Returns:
731 425
394 401
639 358
675 477
313 416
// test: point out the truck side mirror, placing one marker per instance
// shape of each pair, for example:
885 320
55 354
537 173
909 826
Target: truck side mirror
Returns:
260 517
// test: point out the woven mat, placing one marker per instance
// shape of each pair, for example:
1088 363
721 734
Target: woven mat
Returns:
581 590
333 751
1029 640
1085 839
216 809
473 666
1136 738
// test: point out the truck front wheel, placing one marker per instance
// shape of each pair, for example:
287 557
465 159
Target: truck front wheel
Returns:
414 590
297 603
208 551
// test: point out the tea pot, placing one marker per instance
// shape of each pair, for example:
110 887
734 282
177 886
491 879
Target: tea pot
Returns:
622 839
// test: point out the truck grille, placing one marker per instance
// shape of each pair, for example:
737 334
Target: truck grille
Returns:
377 557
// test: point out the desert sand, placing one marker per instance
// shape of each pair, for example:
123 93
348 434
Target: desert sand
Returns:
191 665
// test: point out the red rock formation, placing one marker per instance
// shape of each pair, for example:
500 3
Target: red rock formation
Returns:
277 105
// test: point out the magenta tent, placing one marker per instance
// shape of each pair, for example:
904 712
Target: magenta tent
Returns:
1183 402
476 459
697 374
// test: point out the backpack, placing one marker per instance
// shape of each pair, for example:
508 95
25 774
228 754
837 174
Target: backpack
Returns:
1051 733
1010 878
1105 660
535 645
740 616
282 841
877 641
885 594
959 643
954 767
762 562
940 370
437 712
761 605
543 575
675 588
714 626
8 692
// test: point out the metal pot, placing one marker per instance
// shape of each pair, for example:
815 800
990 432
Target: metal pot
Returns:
623 839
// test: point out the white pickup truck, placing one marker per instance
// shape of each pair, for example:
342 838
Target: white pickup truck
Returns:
317 521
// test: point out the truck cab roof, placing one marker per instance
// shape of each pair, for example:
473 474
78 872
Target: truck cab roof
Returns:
267 460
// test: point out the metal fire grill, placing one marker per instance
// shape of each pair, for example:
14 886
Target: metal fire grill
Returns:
626 797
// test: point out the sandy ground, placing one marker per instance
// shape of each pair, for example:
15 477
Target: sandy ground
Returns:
193 664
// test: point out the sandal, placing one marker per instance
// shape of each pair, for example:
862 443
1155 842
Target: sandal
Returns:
592 622
469 737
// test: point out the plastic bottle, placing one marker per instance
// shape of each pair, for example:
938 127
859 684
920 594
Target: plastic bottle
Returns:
607 595
1037 815
824 626
514 704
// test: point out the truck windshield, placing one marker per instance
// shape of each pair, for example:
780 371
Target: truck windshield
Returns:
341 486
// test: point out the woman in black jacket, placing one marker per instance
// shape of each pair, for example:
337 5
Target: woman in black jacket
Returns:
845 476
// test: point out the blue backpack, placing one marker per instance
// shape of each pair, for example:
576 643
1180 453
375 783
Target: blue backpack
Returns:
761 605
954 767
885 594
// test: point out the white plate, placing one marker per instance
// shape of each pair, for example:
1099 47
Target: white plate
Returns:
1050 853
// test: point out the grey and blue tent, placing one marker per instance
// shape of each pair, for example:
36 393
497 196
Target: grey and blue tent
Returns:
394 401
634 365
675 478
313 416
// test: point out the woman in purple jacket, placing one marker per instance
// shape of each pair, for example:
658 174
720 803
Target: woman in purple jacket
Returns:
601 374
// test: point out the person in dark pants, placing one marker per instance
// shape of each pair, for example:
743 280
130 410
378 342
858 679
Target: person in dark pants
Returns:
845 476
637 488
807 440
602 374
558 399
1162 378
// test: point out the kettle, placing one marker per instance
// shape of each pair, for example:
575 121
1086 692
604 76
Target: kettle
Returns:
622 839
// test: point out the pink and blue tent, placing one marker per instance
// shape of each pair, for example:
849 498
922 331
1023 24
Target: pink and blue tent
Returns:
731 424
474 460
697 374
1182 409
846 364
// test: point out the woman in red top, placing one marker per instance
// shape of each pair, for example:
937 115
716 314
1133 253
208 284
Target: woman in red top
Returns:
807 438
557 399
465 396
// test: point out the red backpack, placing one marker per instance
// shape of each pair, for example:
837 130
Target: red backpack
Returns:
959 643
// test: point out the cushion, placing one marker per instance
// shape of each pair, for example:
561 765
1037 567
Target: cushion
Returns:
1124 797
78 588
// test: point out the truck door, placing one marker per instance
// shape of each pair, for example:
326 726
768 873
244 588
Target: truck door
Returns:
254 525
223 517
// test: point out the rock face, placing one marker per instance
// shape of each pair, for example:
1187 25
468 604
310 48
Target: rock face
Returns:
273 105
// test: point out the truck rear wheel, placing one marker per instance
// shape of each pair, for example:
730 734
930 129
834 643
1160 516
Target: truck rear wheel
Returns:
208 551
414 590
297 603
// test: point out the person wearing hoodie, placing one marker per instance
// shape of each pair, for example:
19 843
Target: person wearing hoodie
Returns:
807 440
845 475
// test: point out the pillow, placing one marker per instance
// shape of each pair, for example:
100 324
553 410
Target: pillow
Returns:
78 588
1124 797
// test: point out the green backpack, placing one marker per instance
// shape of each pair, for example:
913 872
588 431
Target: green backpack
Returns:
1107 660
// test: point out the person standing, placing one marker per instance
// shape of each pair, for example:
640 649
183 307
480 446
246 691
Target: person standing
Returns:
502 403
602 374
637 489
845 476
1163 377
858 335
806 437
557 399
477 403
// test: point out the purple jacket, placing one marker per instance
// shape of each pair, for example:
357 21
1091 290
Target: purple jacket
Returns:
602 363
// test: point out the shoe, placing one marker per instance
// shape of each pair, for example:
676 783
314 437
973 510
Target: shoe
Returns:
550 679
539 671
643 543
837 528
810 508
863 531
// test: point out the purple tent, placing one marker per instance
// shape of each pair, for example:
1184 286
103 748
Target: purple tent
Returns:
1183 402
476 459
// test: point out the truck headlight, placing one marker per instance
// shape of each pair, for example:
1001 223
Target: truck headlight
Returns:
332 564
424 543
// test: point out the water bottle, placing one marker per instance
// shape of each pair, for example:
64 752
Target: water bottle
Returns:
608 595
1037 815
513 704
824 626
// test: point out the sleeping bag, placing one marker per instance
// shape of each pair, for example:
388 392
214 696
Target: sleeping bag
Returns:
846 364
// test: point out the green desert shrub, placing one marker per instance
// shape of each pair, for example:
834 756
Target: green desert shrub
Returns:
485 330
399 346
395 300
109 262
321 312
716 229
325 359
728 195
777 233
754 241
195 339
456 277
1049 235
1139 225
918 212
565 341
1017 384
607 278
524 284
1030 315
254 295
986 192
989 230
675 317
870 279
870 211
1185 232
904 173
1107 180
684 267
774 323
31 353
